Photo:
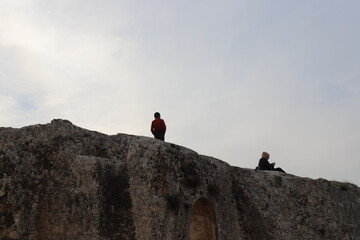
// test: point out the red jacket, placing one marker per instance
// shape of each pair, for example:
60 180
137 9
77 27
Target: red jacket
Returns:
158 125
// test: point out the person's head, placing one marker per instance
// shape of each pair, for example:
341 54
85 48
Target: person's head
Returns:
157 115
265 155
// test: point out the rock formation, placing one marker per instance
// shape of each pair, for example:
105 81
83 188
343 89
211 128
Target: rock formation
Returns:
59 181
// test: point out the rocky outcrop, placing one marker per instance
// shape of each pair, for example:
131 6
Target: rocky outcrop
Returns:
59 181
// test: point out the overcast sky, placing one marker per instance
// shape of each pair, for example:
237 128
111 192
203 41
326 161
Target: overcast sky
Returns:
230 78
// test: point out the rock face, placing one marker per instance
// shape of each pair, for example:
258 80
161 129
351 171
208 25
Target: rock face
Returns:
59 181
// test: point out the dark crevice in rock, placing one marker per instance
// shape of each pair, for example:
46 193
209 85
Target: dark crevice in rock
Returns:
116 220
250 220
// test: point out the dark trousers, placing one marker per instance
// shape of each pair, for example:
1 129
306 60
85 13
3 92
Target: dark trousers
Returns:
279 170
160 135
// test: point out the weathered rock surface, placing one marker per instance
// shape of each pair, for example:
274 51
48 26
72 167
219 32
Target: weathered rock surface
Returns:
59 181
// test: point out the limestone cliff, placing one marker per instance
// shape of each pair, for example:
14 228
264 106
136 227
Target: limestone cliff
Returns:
59 181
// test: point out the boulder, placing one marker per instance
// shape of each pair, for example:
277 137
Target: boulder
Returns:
60 181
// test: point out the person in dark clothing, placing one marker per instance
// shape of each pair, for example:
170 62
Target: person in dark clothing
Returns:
265 165
158 127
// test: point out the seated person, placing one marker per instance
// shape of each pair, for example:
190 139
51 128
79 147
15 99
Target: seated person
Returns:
265 165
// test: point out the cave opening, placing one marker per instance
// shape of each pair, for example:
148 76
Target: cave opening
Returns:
203 221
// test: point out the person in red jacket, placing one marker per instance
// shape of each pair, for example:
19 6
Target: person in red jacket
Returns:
158 127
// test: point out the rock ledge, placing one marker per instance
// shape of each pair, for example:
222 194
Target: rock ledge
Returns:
59 181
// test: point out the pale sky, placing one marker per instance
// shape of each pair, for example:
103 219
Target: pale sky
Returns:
231 79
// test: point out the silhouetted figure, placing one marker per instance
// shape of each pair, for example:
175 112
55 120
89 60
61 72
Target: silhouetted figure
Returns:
158 127
265 165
